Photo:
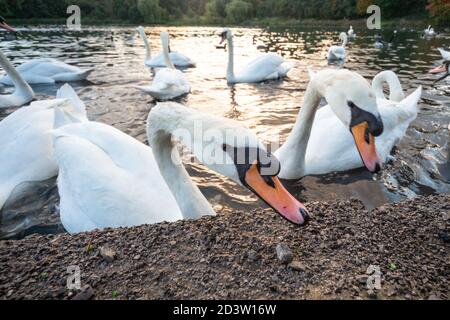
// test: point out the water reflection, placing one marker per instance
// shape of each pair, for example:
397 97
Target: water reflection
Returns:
421 164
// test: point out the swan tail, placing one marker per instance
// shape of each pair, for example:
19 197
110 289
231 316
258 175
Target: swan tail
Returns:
410 105
78 107
284 69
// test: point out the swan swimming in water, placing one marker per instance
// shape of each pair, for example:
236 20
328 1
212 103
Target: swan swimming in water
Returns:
429 32
337 53
268 66
380 44
22 91
47 71
351 33
168 83
109 179
178 59
27 152
321 141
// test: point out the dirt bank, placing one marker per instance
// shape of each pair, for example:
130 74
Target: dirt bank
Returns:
234 256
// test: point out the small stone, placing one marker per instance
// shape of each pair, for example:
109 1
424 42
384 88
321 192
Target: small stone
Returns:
107 254
9 294
434 297
85 294
284 253
172 243
252 255
297 266
137 257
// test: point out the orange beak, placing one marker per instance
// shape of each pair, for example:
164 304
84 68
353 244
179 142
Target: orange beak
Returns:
442 68
271 191
365 142
5 26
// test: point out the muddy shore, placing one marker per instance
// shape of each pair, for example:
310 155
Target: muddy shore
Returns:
234 256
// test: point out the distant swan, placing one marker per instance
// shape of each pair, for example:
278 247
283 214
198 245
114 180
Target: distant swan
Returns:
178 59
337 53
268 66
124 183
429 32
351 33
330 147
168 83
26 145
48 71
23 92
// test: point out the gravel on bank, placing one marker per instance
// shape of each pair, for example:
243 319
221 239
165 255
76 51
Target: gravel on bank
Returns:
246 255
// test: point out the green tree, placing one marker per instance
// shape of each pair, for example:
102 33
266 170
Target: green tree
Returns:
151 11
238 11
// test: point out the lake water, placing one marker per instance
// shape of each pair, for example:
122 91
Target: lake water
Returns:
421 164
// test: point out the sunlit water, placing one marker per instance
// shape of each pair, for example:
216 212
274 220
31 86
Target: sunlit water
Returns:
421 164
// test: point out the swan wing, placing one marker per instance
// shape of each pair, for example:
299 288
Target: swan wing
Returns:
108 179
180 60
264 67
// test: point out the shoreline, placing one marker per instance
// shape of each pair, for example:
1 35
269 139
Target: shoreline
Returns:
254 23
233 256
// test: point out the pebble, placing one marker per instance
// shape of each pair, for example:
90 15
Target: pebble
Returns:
137 257
297 266
284 253
85 294
107 254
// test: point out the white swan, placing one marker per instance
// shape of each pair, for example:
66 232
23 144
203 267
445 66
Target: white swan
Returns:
23 92
26 146
47 71
445 54
268 66
337 53
168 83
354 108
351 33
429 32
109 179
179 60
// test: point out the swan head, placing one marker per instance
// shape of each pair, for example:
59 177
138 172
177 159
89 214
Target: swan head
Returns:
5 26
228 148
445 67
354 102
343 36
226 34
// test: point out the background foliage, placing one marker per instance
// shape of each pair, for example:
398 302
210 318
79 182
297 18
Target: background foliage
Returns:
217 11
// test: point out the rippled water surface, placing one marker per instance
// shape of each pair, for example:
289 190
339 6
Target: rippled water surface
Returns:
421 160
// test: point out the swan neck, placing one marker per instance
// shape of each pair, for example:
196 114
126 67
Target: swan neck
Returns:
148 49
395 88
167 61
21 85
192 203
230 68
293 153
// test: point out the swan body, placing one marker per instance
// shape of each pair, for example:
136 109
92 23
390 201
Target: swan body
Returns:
338 53
109 179
331 147
429 32
27 154
168 83
178 59
269 66
48 71
23 92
